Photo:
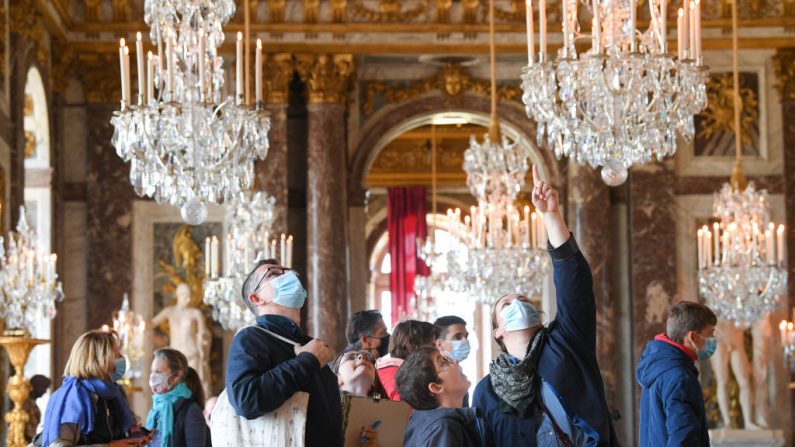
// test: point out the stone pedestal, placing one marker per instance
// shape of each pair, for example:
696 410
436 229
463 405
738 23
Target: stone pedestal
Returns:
727 437
327 79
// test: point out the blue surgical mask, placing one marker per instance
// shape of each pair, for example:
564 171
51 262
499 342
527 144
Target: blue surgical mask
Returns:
121 368
288 290
460 350
520 315
710 345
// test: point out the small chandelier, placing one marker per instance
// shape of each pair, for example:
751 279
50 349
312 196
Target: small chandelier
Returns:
249 218
741 264
493 251
29 285
186 144
787 332
130 328
623 101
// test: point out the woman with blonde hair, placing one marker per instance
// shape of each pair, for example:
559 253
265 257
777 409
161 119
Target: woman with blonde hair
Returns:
89 408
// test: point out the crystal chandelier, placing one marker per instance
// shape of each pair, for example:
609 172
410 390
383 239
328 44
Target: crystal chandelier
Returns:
29 285
623 101
130 328
494 250
787 332
186 143
249 218
741 269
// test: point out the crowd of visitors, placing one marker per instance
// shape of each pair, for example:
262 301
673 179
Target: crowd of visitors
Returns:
543 388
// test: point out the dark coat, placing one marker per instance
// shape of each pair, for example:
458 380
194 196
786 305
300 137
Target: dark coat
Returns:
263 372
190 428
444 427
671 402
568 362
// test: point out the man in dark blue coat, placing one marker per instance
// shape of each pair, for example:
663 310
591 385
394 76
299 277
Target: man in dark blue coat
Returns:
545 385
267 367
671 402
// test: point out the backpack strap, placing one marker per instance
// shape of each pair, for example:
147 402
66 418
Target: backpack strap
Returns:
276 336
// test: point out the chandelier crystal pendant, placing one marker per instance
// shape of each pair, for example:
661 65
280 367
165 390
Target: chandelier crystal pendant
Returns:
741 264
29 285
249 218
186 143
495 250
623 101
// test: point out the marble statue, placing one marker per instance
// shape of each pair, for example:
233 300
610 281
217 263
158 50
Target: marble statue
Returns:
762 332
731 352
188 333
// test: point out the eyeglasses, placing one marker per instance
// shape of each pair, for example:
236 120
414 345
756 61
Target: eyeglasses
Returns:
353 355
267 275
444 361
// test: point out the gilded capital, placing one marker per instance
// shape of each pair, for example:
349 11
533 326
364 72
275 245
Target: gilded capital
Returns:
277 73
327 76
784 65
100 75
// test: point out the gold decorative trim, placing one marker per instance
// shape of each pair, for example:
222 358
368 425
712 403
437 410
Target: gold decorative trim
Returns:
277 74
452 80
101 86
784 66
389 11
328 76
26 21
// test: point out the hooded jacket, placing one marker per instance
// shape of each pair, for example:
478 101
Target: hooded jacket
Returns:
671 402
444 427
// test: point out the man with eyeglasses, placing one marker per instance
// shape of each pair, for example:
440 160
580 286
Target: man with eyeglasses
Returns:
367 331
269 364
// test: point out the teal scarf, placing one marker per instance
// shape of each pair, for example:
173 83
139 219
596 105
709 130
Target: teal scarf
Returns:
161 416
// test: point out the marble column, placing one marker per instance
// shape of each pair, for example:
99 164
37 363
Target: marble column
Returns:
271 173
589 220
328 79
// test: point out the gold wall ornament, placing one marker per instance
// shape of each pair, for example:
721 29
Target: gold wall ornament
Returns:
30 144
784 66
452 80
470 16
276 9
517 12
18 389
27 22
328 76
718 117
389 11
27 106
339 11
65 64
101 86
91 10
311 15
277 72
120 8
186 253
443 15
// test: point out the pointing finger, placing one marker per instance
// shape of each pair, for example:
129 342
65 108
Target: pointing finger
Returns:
536 177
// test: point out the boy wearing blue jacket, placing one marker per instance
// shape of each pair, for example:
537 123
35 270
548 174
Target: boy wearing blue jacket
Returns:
672 403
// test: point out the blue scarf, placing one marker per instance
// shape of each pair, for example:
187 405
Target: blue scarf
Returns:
72 404
161 416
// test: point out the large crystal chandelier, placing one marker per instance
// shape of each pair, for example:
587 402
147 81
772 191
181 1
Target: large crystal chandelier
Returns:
494 250
29 285
622 101
249 218
742 272
186 143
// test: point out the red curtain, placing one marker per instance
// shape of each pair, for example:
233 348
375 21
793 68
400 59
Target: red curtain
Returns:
406 210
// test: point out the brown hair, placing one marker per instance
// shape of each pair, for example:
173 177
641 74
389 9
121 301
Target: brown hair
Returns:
178 363
414 376
411 335
377 391
686 316
92 355
494 322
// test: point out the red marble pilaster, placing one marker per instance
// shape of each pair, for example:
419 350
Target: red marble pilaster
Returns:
271 173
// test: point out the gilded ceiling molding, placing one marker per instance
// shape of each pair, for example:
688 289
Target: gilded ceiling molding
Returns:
389 11
443 15
120 10
784 66
277 72
470 16
328 76
91 10
276 9
516 14
65 64
27 22
338 11
452 80
100 86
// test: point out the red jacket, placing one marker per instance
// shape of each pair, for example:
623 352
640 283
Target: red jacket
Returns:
386 368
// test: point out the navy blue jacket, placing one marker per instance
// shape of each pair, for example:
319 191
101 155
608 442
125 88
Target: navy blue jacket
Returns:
444 427
262 372
671 402
568 362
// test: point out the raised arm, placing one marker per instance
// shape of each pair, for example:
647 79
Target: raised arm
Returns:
576 315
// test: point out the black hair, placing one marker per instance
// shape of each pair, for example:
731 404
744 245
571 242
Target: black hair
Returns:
362 324
413 377
444 323
251 281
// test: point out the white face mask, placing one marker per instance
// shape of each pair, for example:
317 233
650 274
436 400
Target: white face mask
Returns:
460 350
519 315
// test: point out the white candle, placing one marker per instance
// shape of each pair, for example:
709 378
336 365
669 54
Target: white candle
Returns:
716 240
290 251
239 78
782 328
542 29
633 13
527 226
534 230
509 240
283 249
780 244
770 255
529 28
200 65
707 243
258 71
214 250
273 248
596 35
150 79
266 250
121 68
663 25
680 35
685 26
697 38
700 246
160 62
207 253
565 27
169 68
139 55
692 36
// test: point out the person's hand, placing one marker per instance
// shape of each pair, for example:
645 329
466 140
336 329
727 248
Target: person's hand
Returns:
545 197
319 349
369 438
